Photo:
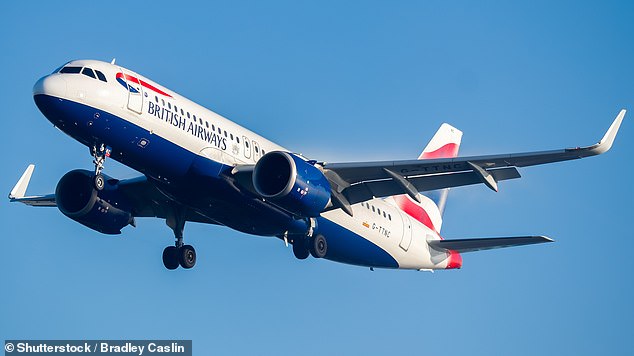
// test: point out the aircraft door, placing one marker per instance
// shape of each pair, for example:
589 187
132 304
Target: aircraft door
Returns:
135 92
247 147
406 240
256 151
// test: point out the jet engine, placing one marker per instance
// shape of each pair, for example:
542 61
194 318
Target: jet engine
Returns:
106 211
291 183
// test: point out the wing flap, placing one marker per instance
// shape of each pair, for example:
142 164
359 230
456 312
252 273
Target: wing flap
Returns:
470 245
384 188
39 200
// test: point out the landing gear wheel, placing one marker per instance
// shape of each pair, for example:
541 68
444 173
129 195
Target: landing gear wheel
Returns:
319 247
299 249
170 257
187 256
99 182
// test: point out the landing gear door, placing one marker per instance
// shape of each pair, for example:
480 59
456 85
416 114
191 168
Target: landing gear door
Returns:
135 91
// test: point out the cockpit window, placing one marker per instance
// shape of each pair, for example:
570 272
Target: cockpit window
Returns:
87 71
58 68
101 76
70 70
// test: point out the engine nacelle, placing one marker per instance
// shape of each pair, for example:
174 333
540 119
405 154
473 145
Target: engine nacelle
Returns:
291 183
106 211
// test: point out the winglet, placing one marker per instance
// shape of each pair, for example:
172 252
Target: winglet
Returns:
608 139
20 187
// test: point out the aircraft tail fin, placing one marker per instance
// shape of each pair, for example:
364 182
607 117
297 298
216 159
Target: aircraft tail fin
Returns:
444 144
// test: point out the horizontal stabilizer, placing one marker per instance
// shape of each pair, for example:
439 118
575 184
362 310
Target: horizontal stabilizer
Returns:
469 245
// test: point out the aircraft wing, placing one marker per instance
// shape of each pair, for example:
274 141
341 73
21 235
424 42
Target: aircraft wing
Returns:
146 199
355 182
470 245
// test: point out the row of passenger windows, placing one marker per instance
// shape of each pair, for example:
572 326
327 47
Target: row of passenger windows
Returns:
378 211
206 123
89 72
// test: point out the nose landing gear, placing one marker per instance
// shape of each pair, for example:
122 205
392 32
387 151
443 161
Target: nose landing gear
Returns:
99 153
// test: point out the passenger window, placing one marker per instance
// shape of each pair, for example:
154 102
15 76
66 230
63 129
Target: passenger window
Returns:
156 99
182 112
238 139
176 109
200 121
219 130
213 128
103 77
194 117
163 102
231 135
246 143
189 117
389 217
225 133
263 152
378 211
384 215
70 70
207 124
257 150
374 211
169 105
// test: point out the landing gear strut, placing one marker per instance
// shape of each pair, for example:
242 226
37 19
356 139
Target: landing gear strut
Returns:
99 153
179 254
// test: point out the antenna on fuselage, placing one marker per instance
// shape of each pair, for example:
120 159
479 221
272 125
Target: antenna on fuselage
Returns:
113 60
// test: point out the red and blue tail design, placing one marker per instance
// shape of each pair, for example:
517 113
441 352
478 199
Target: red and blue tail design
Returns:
444 144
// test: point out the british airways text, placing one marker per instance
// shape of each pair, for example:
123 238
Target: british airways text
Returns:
191 127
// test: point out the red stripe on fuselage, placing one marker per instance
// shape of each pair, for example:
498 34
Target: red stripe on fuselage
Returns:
446 151
414 210
142 83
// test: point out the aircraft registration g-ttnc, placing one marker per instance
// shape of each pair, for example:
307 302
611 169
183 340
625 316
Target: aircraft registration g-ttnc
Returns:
198 166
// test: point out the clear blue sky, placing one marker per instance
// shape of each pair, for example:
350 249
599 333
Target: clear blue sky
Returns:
356 81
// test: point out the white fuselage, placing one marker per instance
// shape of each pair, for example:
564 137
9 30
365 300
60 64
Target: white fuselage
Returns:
166 114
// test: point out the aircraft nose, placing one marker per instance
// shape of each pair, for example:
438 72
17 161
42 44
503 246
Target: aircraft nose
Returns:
53 85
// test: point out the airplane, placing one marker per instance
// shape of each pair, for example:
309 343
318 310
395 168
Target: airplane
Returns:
197 166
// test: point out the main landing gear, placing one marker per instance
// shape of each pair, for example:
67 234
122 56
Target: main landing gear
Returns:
315 246
179 254
310 244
